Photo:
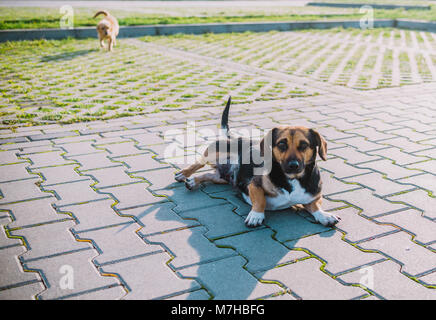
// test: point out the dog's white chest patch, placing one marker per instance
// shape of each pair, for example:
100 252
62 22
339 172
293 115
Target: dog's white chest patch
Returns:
284 199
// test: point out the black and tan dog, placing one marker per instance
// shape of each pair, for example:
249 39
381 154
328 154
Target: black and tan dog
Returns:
293 177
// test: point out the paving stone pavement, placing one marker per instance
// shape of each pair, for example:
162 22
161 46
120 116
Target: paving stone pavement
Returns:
91 211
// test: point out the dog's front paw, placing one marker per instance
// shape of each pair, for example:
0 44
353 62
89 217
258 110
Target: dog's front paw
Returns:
325 218
179 176
190 183
254 219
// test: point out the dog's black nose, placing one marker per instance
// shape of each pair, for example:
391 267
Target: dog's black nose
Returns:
293 165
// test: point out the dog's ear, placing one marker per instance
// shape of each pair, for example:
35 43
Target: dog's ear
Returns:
320 143
267 142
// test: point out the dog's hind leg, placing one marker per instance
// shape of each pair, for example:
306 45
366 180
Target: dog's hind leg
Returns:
215 177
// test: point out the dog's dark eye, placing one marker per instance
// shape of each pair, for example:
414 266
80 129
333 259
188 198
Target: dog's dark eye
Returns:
282 145
303 146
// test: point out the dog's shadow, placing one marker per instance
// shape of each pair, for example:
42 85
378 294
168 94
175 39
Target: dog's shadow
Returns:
66 56
214 247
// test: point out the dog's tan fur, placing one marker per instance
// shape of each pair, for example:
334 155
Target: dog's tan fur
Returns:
107 29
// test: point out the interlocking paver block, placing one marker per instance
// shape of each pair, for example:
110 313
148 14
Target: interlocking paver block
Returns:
340 169
32 212
46 159
413 221
339 255
149 277
112 176
21 190
418 199
414 258
307 281
9 157
190 246
389 283
261 250
158 218
57 239
93 161
425 181
118 243
121 149
160 179
190 200
290 225
13 172
227 279
380 186
75 192
94 215
11 267
220 221
78 148
391 170
59 174
133 195
369 204
145 139
26 292
141 162
358 228
84 275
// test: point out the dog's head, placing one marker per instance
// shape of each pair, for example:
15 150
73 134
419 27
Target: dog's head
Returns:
294 148
103 27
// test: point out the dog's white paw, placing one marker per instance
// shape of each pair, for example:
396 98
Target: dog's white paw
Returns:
254 219
325 218
179 176
190 183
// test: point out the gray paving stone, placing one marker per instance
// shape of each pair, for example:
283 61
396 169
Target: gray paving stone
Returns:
190 200
75 192
418 199
21 190
260 249
141 162
113 176
118 243
339 255
413 221
391 170
46 159
11 267
121 149
307 281
158 218
195 295
369 204
220 220
77 148
25 292
13 172
132 195
227 279
380 186
190 246
414 258
93 161
160 179
340 169
290 225
149 277
358 228
7 157
70 274
94 215
32 212
112 293
389 283
58 239
60 174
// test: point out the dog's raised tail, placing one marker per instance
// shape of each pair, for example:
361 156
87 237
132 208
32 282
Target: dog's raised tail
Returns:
101 12
225 118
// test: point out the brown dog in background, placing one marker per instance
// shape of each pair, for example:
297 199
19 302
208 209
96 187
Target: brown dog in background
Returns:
107 29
